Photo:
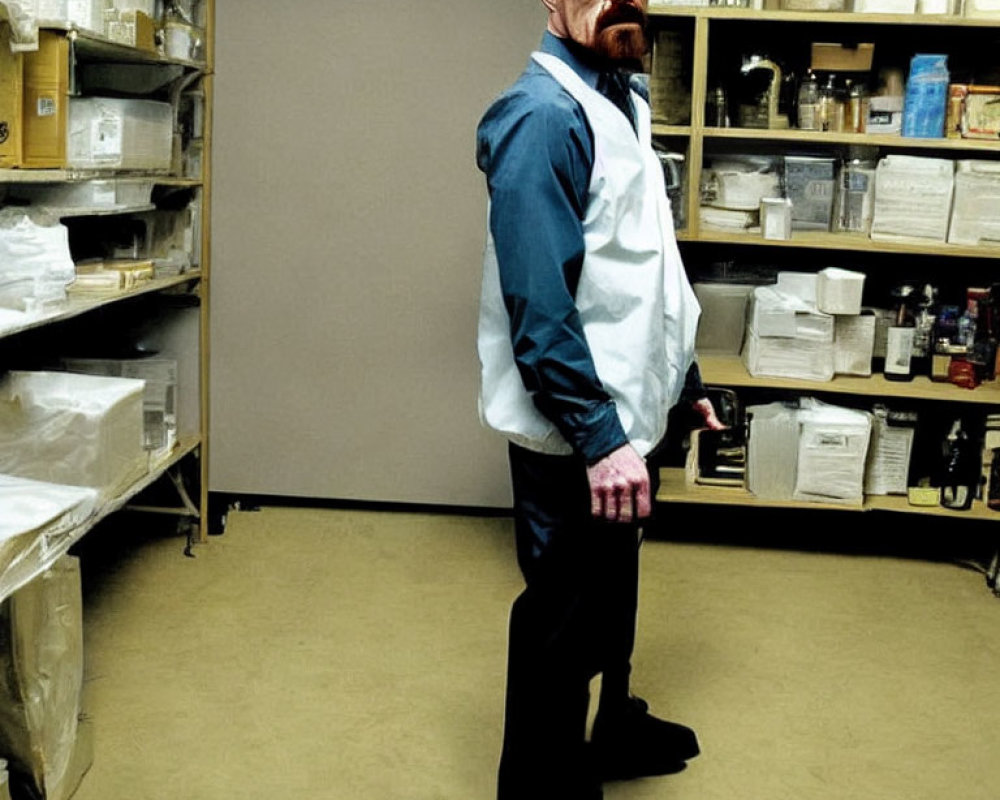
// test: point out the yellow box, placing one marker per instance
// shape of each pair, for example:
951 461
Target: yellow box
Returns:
841 57
11 100
46 102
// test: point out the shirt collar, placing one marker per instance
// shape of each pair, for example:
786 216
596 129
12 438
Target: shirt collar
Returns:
566 51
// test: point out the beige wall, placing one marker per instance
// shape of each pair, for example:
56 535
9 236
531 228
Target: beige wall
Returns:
348 223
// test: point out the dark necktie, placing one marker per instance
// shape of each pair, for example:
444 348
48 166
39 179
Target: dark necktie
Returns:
614 86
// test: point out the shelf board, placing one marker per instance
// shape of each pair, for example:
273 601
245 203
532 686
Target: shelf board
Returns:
661 129
834 137
97 211
91 45
674 488
842 241
819 17
79 175
76 305
729 370
58 544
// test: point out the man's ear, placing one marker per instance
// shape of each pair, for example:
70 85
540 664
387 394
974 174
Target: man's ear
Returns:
550 5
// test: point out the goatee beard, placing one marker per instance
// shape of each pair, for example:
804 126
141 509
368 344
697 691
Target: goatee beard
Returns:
623 45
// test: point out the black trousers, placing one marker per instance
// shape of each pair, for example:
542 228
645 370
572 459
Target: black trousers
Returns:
575 618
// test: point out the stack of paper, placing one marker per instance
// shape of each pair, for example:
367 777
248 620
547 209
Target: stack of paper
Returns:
787 337
888 467
810 451
975 218
728 219
912 197
833 447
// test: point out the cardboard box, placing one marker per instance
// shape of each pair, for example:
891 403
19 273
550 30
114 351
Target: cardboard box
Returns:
133 28
11 100
841 57
46 102
119 133
981 112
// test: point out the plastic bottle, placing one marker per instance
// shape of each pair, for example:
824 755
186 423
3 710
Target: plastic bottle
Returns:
899 341
923 340
856 190
857 108
926 101
959 472
831 107
808 102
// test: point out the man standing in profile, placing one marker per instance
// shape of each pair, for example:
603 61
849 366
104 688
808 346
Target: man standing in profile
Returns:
586 341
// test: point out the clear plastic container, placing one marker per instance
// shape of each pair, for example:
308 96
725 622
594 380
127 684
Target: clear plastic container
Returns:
808 102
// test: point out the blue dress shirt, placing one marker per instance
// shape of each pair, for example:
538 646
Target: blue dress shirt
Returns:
536 148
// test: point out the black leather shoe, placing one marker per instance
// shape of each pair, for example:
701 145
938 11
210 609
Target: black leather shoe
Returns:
629 742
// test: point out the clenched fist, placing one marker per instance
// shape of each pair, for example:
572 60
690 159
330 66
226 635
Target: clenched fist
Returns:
620 487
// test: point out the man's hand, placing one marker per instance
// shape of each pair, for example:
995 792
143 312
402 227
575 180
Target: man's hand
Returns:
704 407
619 486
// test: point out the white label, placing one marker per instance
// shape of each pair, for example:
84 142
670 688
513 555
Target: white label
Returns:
106 138
898 350
46 106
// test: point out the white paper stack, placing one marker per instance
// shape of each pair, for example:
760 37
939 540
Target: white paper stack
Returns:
79 430
888 463
975 218
912 197
787 337
833 447
728 219
812 452
854 344
732 188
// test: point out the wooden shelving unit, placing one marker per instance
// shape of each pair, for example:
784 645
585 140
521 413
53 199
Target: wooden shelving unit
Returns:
21 334
710 35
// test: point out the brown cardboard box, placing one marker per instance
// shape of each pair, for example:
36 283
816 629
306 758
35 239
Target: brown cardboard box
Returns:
842 58
133 28
46 101
11 99
981 112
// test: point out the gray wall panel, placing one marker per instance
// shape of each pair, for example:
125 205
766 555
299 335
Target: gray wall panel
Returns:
348 224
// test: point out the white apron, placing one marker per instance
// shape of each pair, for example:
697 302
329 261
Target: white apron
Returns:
638 311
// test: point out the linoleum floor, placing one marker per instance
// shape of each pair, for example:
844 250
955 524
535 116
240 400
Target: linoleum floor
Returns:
359 655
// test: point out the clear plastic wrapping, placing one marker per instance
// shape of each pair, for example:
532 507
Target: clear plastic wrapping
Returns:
79 430
41 680
35 261
37 526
